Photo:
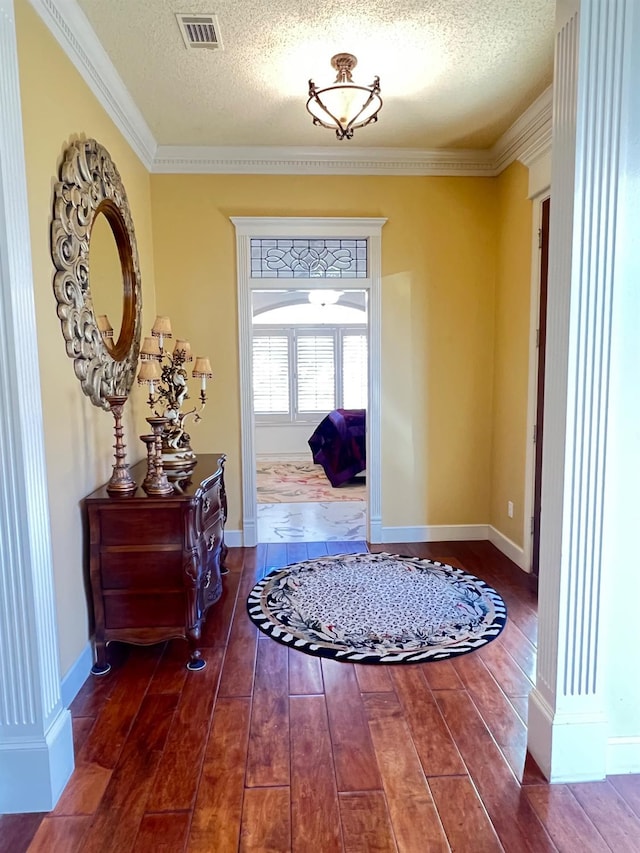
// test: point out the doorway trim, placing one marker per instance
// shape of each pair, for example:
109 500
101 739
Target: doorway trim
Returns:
539 191
368 228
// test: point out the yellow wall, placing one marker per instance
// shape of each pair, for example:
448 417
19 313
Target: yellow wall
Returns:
438 256
455 296
511 352
58 107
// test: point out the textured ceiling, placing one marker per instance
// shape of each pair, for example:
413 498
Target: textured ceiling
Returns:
454 73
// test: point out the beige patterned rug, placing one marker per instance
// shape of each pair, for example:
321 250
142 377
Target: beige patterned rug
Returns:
303 482
377 608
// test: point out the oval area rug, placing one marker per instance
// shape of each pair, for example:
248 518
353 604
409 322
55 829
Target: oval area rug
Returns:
377 608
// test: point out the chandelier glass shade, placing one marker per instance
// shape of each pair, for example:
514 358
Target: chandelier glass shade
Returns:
344 106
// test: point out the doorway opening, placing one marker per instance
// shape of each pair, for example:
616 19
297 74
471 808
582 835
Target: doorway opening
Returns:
320 255
310 389
539 421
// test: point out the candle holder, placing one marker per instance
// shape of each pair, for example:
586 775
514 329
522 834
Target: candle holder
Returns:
165 374
156 479
150 442
121 482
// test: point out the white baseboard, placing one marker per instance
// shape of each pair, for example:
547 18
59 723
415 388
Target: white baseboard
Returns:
35 771
234 538
509 549
76 675
623 755
375 531
422 533
567 747
435 533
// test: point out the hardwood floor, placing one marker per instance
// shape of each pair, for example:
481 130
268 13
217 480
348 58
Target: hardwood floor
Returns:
269 749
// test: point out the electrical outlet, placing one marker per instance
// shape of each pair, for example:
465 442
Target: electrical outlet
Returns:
510 509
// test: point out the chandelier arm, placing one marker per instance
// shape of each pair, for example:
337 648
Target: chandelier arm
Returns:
374 117
317 99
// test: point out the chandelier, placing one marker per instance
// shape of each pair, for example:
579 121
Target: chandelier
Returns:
345 105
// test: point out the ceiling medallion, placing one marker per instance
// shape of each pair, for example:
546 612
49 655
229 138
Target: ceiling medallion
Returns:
345 105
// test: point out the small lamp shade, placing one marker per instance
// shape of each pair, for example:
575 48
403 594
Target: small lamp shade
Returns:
150 350
185 348
150 372
162 327
202 368
104 326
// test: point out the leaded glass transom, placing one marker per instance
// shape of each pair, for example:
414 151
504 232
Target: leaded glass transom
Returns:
306 258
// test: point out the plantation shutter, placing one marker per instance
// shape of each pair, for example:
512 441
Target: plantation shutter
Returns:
354 371
316 379
271 374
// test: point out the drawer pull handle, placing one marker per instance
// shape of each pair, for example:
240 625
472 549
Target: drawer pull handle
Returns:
211 543
207 504
207 579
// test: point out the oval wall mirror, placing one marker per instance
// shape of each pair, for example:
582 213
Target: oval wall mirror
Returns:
97 287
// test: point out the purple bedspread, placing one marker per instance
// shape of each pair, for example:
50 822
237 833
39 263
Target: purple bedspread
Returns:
338 444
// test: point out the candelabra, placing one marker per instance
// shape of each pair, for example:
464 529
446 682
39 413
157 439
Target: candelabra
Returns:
165 374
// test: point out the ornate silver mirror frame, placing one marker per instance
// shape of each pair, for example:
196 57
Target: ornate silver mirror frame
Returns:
90 184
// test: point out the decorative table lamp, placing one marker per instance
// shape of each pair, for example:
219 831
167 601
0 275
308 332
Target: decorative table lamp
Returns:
166 376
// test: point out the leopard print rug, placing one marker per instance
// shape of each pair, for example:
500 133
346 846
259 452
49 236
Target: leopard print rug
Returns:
377 608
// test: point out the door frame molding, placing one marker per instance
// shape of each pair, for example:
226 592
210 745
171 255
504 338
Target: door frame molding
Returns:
539 191
369 228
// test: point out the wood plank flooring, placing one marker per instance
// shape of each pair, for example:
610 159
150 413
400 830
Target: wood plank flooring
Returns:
269 750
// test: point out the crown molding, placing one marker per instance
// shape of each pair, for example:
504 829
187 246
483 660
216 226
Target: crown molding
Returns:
528 137
292 160
73 32
525 140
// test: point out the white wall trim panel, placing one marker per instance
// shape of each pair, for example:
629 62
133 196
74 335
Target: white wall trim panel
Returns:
570 742
293 226
35 729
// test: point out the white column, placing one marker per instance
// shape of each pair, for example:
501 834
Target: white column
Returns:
36 746
569 711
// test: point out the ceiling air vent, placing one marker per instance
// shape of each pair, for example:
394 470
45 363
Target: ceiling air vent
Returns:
199 31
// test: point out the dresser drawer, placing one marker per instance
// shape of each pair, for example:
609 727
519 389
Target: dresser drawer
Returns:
209 505
146 526
211 538
140 609
141 568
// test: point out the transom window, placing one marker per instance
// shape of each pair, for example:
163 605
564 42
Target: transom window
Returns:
308 258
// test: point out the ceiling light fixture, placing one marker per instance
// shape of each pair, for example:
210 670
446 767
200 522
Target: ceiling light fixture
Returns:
324 297
345 105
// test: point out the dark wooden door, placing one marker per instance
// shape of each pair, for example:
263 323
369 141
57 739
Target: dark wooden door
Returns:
539 423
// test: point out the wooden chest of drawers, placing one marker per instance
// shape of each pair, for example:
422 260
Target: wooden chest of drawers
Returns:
155 562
